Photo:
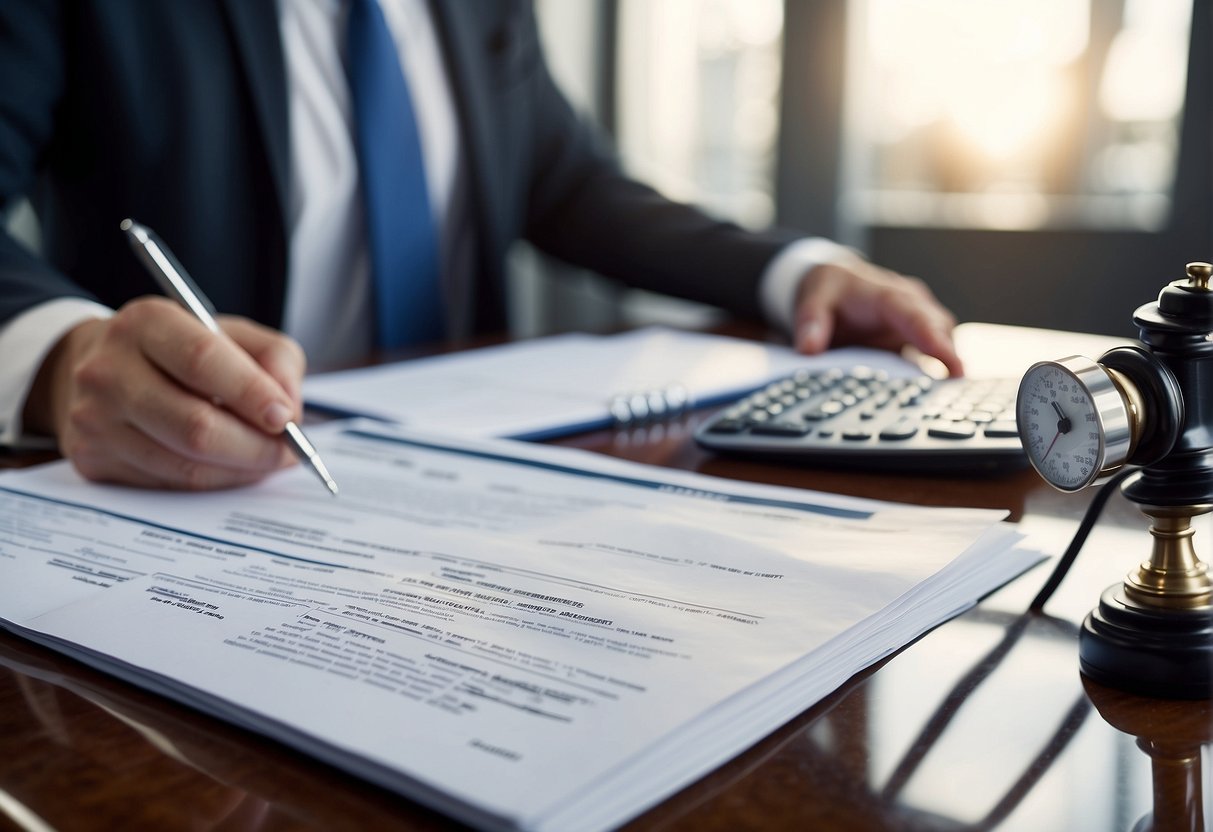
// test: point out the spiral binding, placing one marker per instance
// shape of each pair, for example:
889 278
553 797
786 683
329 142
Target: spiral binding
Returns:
645 406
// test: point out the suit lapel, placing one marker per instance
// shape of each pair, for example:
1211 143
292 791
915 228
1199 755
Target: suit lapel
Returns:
461 35
466 42
254 25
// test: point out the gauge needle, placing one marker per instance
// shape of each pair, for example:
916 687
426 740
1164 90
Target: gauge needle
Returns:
1063 421
1063 426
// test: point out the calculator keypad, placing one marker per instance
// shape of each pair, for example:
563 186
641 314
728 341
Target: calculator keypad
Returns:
861 416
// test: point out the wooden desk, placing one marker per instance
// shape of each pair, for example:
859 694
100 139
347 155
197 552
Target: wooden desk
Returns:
983 723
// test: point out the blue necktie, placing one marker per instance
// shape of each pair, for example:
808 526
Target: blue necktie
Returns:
400 225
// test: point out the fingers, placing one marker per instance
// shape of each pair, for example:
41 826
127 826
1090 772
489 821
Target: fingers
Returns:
909 311
819 298
150 397
211 365
277 354
863 304
190 425
132 458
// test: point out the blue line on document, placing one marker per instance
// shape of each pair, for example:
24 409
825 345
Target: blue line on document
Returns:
173 529
656 485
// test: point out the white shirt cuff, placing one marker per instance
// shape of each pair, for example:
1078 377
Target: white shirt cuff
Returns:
25 342
781 280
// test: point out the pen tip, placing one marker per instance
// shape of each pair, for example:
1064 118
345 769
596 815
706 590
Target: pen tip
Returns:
332 487
127 224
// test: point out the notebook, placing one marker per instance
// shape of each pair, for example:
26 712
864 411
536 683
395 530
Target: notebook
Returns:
563 384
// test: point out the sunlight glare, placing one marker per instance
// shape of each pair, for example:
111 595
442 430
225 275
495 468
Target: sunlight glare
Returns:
996 69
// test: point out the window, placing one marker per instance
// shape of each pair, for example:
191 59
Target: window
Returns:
698 87
1014 114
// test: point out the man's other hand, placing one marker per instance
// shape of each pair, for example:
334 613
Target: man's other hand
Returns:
857 302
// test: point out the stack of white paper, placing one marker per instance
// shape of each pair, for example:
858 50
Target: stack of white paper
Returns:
520 636
563 384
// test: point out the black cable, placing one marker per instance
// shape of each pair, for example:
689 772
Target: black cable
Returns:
1080 537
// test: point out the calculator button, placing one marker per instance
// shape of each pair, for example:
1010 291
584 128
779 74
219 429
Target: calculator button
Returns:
902 429
825 410
727 426
1002 429
952 430
781 429
856 433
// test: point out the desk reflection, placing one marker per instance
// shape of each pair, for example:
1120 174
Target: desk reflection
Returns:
1177 736
86 752
983 724
1018 713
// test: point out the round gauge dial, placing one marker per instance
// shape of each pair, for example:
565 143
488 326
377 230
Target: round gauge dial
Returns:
1074 421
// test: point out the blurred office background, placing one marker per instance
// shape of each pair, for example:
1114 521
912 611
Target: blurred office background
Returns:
1038 162
1042 162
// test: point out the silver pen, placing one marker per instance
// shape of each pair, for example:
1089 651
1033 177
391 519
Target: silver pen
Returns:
174 280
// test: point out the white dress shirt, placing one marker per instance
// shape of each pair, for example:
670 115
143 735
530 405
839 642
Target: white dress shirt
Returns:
328 296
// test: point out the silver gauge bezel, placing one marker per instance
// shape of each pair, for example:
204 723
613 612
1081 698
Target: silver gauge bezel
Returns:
1112 416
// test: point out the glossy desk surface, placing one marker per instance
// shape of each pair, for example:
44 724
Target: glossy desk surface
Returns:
983 723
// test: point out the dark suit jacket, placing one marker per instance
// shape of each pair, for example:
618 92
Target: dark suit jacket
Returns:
175 113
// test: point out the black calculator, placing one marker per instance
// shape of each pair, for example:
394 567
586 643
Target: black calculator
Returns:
863 418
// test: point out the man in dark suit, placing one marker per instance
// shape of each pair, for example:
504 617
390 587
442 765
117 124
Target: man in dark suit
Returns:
220 124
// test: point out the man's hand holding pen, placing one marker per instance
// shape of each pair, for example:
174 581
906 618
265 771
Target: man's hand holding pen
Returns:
132 398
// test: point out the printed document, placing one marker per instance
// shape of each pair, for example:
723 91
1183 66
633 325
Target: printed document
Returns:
520 636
